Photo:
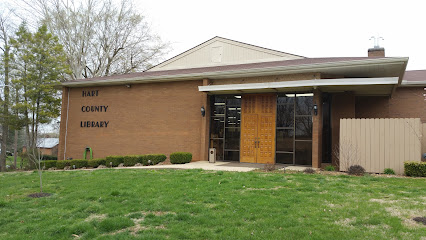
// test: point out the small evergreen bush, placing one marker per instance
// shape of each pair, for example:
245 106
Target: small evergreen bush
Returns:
330 168
357 170
79 163
131 160
180 157
48 164
61 164
115 160
309 171
156 158
269 167
49 157
389 171
143 159
415 169
94 163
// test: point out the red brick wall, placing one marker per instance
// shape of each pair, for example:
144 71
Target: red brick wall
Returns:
146 118
342 106
405 103
317 131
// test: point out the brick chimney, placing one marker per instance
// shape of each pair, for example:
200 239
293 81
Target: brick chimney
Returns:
376 52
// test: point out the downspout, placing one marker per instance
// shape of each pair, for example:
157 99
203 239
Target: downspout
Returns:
66 124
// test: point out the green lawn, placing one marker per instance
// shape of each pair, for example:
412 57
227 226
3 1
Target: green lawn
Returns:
195 204
10 160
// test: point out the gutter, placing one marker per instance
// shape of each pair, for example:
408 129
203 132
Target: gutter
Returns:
251 72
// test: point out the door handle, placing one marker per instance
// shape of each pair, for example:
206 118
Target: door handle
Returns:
256 142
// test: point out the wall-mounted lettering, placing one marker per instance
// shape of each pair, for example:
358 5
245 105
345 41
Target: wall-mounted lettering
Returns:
93 93
94 108
99 108
94 124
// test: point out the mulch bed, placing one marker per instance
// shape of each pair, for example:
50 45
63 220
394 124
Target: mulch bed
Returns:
39 195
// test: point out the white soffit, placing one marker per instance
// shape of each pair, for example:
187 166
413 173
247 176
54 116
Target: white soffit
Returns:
301 83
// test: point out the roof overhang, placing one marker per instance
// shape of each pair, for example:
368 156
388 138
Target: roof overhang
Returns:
360 86
367 68
406 83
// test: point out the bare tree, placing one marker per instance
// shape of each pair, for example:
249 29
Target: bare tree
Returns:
35 157
100 37
346 153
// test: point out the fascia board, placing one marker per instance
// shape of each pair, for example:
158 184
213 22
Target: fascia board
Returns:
238 73
301 83
406 83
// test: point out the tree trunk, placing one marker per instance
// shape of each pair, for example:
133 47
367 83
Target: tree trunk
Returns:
15 143
40 170
15 148
5 120
35 133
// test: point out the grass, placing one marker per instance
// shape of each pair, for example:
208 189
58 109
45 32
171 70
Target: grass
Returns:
195 204
10 160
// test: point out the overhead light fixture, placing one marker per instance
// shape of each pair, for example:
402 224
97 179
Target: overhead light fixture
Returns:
237 96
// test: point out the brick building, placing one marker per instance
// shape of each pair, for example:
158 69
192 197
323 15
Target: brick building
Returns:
250 103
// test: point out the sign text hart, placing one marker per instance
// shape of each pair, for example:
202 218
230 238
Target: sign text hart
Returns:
98 108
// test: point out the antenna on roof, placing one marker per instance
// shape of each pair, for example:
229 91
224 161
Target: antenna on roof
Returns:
376 40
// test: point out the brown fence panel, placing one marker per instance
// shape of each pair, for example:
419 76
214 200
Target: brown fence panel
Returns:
377 144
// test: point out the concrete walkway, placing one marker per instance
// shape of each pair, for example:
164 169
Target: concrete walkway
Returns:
219 166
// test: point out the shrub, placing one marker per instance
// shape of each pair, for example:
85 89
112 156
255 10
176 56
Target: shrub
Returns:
157 158
309 170
48 164
269 167
61 164
357 170
131 160
330 168
49 157
389 171
94 163
115 160
180 157
79 163
415 169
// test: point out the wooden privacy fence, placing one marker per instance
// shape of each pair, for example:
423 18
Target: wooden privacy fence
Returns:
377 144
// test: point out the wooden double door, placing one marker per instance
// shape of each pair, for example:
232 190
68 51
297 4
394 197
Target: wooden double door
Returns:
258 114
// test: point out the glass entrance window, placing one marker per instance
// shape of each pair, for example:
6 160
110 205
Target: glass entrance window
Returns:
294 128
225 126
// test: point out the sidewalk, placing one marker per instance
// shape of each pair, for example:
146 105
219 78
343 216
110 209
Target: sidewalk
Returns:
218 166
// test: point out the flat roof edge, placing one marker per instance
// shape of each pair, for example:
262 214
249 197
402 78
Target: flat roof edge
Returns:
301 83
291 69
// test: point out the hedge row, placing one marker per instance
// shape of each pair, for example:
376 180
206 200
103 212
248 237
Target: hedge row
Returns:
114 161
415 169
49 164
49 157
180 157
131 160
